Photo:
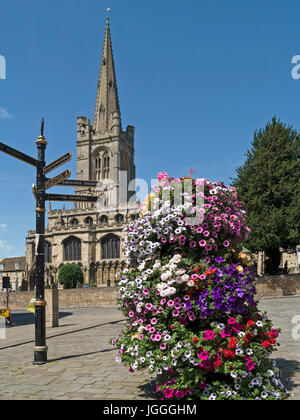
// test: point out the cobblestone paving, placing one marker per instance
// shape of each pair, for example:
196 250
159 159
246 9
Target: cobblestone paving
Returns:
82 362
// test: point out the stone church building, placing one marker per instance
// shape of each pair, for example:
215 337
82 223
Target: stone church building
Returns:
90 234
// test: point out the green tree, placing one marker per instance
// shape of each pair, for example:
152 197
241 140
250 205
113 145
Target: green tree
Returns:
269 185
70 275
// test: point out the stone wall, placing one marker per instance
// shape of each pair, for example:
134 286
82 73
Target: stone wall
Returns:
68 298
268 286
276 286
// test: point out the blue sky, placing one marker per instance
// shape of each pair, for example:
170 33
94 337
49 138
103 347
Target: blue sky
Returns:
195 78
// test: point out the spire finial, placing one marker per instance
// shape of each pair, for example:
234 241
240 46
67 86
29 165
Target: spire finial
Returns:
107 16
42 126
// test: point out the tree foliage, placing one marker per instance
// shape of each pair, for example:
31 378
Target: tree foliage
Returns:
70 275
269 185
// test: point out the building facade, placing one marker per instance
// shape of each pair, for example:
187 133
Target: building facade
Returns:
90 234
15 269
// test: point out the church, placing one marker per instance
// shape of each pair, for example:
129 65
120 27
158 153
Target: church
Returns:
90 234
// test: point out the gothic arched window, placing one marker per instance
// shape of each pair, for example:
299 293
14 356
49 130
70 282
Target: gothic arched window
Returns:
74 222
48 252
104 220
106 162
72 249
134 217
101 165
89 221
98 168
119 218
110 246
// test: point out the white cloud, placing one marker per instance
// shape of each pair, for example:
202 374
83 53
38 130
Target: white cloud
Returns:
4 114
5 247
4 226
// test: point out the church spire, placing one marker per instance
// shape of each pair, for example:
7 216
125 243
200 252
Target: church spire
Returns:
107 118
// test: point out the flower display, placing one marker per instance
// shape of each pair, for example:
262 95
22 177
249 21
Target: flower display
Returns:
188 296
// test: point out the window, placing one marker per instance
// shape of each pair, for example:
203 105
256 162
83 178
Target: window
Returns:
17 265
98 168
89 221
110 245
134 217
104 220
1 266
74 222
106 162
101 165
72 249
48 252
119 218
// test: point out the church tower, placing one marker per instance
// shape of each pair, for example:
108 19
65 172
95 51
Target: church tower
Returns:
90 234
104 151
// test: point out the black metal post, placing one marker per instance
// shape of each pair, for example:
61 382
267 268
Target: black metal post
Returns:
40 349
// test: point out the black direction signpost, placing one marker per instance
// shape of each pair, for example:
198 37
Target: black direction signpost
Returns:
42 183
78 183
58 162
19 155
57 179
62 197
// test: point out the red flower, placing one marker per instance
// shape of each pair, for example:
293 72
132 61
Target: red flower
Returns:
217 363
251 323
232 343
249 336
195 340
266 344
228 354
195 270
208 273
246 341
272 340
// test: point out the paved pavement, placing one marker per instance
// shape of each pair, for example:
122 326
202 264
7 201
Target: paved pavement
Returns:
82 362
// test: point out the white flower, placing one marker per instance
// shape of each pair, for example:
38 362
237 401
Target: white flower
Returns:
259 323
165 276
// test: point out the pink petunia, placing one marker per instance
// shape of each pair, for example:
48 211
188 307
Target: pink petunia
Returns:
208 335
